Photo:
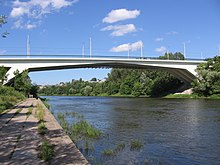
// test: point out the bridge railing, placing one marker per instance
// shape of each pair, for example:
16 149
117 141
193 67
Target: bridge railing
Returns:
93 56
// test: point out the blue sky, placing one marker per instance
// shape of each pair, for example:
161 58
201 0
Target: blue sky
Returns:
63 26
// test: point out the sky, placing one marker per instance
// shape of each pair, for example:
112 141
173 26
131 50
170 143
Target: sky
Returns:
63 27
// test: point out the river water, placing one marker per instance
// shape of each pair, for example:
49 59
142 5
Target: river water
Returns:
173 131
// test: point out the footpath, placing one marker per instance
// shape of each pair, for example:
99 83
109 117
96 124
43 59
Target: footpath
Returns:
20 140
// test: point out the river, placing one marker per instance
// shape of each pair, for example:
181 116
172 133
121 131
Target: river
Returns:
172 131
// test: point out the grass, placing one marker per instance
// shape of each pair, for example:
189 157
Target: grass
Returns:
192 96
42 128
119 147
64 124
80 130
115 151
46 104
83 129
108 152
18 137
29 112
9 97
18 111
136 145
39 113
46 151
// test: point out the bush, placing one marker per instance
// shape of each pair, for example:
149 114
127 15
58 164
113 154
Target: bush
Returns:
9 97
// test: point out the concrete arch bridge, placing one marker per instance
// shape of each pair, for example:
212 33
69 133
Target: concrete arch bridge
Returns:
182 69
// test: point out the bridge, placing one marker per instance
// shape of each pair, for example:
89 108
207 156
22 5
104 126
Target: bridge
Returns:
182 69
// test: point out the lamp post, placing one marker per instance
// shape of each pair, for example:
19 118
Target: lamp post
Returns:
184 49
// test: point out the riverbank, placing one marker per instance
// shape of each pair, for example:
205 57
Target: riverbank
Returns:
191 96
174 96
28 131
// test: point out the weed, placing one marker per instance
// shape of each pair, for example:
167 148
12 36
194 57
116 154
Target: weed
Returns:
39 113
18 137
64 124
108 152
29 112
46 151
42 128
119 147
136 145
84 129
18 111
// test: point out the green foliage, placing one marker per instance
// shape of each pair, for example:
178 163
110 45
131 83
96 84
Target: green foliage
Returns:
115 151
82 129
9 97
42 128
2 22
208 80
64 124
22 82
108 152
3 76
136 145
171 56
18 111
119 147
132 83
46 151
29 112
40 113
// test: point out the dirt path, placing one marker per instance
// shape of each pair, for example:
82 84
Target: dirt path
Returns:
20 140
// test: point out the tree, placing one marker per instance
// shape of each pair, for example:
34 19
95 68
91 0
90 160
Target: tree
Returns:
3 76
22 82
34 90
171 56
87 91
208 78
93 79
2 22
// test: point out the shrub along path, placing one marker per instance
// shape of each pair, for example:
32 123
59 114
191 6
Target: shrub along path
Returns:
20 139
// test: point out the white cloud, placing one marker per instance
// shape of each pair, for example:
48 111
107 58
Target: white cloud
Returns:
18 11
125 47
19 24
159 39
120 30
161 49
120 15
121 48
33 10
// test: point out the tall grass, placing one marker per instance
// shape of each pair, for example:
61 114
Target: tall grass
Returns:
80 130
9 97
39 113
46 151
